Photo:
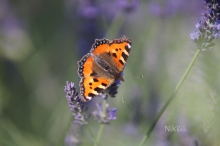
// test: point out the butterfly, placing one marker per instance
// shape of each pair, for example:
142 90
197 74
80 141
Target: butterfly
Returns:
102 66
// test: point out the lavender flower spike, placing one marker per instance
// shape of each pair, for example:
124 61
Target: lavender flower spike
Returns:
112 113
208 27
106 116
75 104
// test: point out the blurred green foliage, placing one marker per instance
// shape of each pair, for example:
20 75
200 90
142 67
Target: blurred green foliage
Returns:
39 48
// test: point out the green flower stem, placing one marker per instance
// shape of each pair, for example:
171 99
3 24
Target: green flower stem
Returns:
170 99
101 127
91 134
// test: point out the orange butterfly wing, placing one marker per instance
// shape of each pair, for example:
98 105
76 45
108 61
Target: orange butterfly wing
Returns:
120 49
94 79
91 83
100 46
92 86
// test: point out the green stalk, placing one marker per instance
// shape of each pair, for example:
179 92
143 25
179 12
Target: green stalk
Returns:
91 134
101 127
170 99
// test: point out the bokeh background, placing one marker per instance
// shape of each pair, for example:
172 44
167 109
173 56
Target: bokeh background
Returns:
41 41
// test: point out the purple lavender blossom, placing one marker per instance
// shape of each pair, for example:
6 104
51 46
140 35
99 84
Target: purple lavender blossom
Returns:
104 116
208 27
194 36
75 103
112 113
128 6
113 89
73 137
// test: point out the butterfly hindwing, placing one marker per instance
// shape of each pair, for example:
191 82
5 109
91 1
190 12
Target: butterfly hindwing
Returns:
91 86
93 78
85 65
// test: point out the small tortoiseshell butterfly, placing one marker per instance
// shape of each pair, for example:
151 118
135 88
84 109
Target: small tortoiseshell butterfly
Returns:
102 66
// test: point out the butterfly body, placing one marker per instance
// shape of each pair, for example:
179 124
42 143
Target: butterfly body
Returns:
102 66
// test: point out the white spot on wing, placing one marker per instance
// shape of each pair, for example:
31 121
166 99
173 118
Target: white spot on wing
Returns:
89 98
95 92
113 51
126 52
101 86
129 46
122 59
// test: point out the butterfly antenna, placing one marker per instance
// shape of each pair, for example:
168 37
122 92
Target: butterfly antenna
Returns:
122 99
135 77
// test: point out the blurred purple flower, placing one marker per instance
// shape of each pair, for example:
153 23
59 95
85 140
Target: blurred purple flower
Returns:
104 114
87 9
194 35
75 103
113 89
216 31
104 96
218 26
170 8
112 113
198 25
208 26
71 141
128 5
73 138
